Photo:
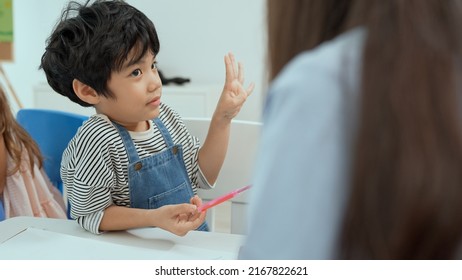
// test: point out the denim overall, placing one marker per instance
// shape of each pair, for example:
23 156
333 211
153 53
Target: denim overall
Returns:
160 179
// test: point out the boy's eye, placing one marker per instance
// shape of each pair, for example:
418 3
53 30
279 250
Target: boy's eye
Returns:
154 65
136 73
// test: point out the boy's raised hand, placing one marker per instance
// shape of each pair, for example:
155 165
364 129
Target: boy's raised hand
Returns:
234 94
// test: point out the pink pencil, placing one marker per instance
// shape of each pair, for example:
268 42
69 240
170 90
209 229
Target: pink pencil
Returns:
222 199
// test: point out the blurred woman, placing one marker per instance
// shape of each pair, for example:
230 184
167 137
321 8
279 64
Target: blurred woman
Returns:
361 147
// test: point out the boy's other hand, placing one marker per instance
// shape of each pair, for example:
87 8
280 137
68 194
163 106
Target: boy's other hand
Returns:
179 219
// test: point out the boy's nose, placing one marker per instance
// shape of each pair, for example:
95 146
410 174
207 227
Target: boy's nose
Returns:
154 82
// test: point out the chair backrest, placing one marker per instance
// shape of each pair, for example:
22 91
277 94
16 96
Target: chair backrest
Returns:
52 130
237 168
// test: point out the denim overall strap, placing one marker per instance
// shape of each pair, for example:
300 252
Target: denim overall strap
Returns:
128 143
160 179
164 131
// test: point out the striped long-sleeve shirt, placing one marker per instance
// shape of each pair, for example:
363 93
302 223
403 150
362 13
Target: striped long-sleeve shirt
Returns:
94 167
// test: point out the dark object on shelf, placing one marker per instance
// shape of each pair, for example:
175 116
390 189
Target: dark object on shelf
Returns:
174 80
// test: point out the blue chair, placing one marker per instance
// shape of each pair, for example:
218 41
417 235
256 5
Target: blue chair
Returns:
52 130
2 210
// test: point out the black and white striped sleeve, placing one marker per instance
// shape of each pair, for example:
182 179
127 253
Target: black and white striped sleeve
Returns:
91 169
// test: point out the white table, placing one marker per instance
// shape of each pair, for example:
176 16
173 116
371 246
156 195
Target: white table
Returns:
42 238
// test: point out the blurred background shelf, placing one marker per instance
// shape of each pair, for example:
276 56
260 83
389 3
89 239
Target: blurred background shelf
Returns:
188 100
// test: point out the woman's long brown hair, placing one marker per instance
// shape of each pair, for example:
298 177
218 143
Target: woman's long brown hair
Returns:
406 191
298 25
16 138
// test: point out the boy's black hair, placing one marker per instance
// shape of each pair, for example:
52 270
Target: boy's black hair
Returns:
91 41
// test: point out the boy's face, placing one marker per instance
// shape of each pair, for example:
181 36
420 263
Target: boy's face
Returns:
137 89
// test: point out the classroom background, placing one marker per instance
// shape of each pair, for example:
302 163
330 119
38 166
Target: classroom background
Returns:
194 37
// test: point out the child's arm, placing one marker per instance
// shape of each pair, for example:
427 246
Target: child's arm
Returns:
213 151
174 218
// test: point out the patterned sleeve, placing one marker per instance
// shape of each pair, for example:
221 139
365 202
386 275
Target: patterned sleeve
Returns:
89 172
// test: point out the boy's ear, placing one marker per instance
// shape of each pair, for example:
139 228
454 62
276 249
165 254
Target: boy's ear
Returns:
85 92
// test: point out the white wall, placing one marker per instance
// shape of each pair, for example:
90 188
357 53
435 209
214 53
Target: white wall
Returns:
194 37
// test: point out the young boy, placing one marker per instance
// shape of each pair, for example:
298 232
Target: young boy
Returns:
133 164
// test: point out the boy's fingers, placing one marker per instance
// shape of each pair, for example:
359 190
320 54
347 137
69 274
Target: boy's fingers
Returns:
184 208
250 89
229 69
233 64
240 76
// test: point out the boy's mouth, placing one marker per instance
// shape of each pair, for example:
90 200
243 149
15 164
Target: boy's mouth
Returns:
155 101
